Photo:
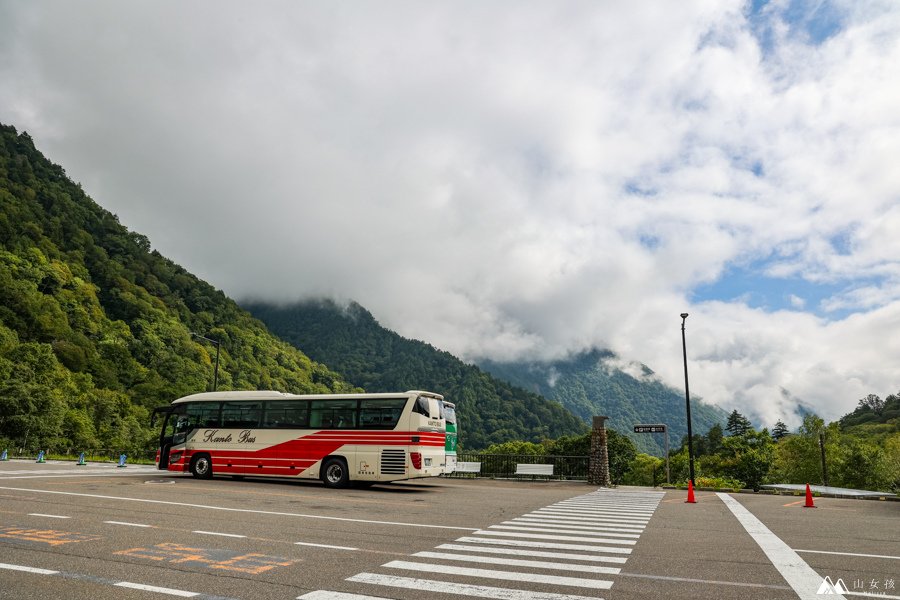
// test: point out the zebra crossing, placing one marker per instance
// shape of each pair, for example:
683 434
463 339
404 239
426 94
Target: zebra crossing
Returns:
579 544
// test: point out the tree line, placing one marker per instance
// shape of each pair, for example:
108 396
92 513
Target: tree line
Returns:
862 451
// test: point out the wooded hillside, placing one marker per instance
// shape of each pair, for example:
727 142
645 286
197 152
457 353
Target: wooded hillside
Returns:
95 327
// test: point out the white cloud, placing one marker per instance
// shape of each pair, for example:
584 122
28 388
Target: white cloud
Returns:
509 179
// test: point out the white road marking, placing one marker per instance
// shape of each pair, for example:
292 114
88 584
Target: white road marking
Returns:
461 589
324 546
27 569
799 575
595 516
571 525
545 530
505 575
850 554
546 545
48 516
604 509
326 595
229 509
560 538
872 595
127 524
512 562
158 590
535 553
231 535
586 520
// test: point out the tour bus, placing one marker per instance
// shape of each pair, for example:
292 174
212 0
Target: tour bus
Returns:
338 438
452 436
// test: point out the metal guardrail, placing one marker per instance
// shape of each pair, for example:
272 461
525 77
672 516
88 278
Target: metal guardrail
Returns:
503 466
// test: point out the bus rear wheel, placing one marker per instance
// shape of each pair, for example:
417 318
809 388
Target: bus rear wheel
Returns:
334 473
201 466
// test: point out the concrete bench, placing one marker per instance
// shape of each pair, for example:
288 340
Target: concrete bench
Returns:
468 467
534 470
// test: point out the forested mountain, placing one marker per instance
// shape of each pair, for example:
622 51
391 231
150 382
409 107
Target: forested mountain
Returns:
95 327
377 359
589 384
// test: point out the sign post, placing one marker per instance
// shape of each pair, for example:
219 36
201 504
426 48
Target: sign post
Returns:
656 428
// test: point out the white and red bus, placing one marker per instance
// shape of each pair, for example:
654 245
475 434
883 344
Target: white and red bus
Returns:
338 438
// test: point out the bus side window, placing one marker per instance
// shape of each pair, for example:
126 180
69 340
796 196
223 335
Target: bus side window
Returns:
333 413
380 413
241 415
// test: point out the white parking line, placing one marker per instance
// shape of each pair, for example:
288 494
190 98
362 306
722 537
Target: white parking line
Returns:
324 546
158 590
231 535
48 516
27 569
799 575
127 524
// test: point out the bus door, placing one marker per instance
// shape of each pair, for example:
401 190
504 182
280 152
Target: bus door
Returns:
166 434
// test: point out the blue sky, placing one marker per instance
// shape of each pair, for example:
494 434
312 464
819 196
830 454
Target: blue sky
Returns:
510 180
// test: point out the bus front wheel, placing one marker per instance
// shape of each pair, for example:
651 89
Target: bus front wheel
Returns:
201 466
334 473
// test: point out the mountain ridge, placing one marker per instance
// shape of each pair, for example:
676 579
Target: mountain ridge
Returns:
371 356
588 384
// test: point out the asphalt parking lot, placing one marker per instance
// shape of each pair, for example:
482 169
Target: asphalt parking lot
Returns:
102 532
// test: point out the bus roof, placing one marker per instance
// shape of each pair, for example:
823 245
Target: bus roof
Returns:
236 396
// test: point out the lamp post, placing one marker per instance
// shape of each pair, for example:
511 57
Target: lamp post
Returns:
687 400
216 370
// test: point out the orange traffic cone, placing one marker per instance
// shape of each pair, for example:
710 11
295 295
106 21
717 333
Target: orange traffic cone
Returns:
690 498
809 500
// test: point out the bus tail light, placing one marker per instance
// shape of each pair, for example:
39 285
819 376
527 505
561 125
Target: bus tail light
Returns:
416 458
157 456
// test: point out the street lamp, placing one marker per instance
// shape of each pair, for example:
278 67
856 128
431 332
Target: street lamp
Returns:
687 400
216 371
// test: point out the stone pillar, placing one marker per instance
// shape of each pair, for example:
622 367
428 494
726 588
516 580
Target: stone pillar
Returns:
598 469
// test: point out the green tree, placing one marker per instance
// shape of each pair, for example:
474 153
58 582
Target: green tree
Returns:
737 424
779 431
645 469
747 457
